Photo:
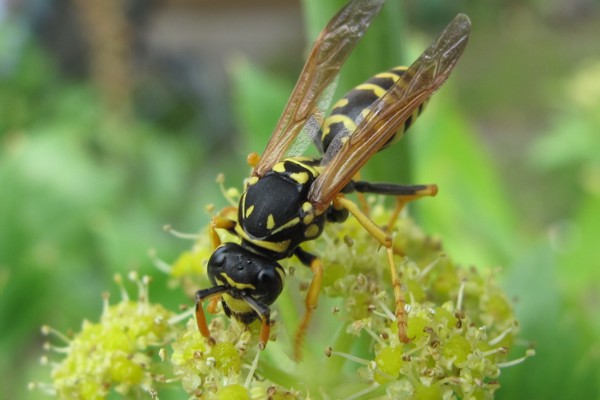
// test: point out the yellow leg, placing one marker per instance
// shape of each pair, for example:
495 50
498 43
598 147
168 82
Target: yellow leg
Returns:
212 305
312 299
202 295
201 320
401 201
385 239
399 309
379 234
220 221
265 332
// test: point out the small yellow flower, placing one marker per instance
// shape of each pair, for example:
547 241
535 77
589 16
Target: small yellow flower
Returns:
460 323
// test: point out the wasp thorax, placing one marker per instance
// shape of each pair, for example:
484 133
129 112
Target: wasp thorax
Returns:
246 273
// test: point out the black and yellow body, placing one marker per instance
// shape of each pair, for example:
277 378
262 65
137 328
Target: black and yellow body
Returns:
274 215
356 104
288 200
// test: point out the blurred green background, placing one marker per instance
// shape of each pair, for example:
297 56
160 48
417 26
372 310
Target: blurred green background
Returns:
116 116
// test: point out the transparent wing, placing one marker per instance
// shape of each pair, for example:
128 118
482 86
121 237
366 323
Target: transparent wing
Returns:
312 127
388 113
332 47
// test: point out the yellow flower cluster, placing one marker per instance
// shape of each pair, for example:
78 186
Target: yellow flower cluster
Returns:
460 323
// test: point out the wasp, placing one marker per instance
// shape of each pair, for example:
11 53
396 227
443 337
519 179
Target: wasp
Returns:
288 200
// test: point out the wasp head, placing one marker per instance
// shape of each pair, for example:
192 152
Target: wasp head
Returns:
250 282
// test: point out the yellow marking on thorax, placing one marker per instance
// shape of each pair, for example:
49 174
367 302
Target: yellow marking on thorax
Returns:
249 211
277 247
287 225
279 167
312 231
309 211
300 177
270 222
250 181
372 87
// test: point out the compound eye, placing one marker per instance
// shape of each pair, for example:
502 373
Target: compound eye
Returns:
270 281
268 277
218 258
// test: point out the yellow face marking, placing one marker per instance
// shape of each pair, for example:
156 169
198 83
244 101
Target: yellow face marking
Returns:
312 231
249 211
270 222
237 306
372 87
235 284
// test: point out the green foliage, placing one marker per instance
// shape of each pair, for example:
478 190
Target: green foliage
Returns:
84 195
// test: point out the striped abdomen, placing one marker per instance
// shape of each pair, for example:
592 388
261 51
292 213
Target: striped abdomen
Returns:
356 104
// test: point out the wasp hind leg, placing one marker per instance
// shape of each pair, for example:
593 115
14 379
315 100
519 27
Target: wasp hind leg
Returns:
403 194
312 296
384 238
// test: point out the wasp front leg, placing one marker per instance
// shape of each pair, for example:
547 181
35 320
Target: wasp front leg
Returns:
312 296
201 295
264 314
219 221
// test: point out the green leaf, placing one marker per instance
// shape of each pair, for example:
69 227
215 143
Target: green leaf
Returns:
565 365
258 100
472 211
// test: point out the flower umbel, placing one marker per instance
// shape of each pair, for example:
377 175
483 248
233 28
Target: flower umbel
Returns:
460 323
118 353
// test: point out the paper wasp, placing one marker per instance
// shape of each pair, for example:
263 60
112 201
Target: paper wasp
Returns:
287 201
